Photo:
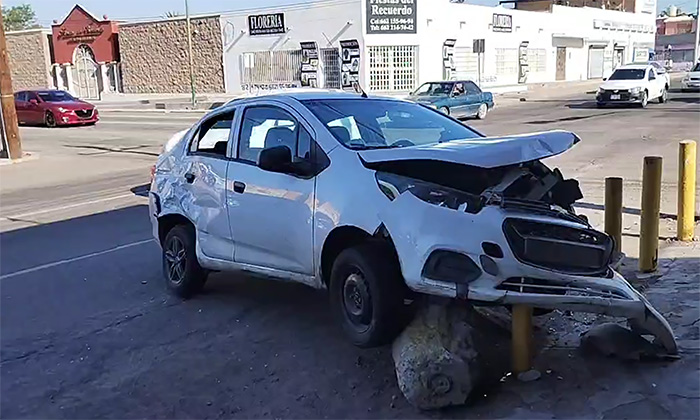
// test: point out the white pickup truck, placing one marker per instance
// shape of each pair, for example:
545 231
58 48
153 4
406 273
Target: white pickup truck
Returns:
633 84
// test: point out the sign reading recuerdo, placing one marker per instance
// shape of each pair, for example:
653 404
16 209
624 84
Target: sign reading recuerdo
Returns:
391 16
268 24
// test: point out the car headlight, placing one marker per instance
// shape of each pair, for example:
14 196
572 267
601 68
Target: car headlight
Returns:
393 185
63 110
601 90
635 90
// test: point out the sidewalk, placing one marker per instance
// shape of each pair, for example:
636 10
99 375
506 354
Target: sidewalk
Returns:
177 102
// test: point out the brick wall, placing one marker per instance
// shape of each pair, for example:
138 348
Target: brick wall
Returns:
29 59
154 56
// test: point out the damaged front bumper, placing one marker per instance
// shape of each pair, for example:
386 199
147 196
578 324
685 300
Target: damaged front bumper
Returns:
479 265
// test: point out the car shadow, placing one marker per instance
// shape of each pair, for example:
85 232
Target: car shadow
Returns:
686 99
571 118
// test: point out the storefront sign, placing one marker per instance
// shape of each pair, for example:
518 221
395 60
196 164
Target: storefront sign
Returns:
391 16
269 24
349 63
86 35
448 59
479 46
648 6
622 26
502 23
309 64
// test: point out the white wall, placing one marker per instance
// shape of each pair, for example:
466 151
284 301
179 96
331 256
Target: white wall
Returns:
321 21
438 20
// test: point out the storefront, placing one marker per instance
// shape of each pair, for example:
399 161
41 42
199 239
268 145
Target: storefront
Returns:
86 55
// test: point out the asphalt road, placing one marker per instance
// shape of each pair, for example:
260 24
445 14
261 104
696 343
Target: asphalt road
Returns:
87 330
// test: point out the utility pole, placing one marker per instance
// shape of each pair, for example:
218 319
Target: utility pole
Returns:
7 101
189 47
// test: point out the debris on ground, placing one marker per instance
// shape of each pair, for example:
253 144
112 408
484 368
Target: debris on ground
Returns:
614 340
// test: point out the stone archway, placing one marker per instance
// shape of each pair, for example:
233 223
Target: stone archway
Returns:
86 73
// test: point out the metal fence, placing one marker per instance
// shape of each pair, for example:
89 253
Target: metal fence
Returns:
330 57
271 66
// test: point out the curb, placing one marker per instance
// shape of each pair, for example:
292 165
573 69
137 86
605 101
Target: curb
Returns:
26 157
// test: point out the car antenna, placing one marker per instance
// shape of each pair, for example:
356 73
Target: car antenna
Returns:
358 89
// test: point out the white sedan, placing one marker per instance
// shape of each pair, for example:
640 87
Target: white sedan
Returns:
691 81
633 84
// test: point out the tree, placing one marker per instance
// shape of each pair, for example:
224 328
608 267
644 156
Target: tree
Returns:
17 18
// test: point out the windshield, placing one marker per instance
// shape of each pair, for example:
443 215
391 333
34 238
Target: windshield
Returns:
55 96
434 89
696 68
628 74
380 123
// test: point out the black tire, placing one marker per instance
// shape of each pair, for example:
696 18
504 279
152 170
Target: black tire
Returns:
445 110
482 111
645 100
664 96
367 294
179 251
49 119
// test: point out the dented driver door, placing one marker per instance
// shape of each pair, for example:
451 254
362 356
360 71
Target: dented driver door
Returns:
204 180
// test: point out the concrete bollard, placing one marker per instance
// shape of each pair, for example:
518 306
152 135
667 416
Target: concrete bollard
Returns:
522 338
613 210
687 155
649 224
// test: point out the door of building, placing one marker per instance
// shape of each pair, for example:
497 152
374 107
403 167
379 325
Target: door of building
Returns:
330 58
86 84
561 63
596 61
618 57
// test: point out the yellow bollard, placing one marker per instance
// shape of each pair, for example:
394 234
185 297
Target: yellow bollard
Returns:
613 210
522 338
649 225
686 190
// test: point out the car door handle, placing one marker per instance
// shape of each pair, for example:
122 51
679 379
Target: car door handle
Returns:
189 177
238 187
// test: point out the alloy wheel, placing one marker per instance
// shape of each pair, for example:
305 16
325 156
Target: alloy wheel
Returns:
50 120
481 113
176 260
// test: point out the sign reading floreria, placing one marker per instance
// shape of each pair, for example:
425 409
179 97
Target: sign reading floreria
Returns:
268 24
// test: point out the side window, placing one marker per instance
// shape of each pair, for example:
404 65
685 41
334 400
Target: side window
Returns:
30 96
459 89
21 96
266 126
472 89
212 136
652 74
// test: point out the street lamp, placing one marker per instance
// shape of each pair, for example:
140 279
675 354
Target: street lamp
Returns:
189 47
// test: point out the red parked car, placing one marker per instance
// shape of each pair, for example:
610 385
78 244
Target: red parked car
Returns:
52 108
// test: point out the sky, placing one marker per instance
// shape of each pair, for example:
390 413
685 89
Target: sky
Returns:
49 10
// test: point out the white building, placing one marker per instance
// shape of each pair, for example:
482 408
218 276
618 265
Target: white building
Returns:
394 45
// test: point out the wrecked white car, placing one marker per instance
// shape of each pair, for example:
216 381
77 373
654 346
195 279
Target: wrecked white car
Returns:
380 201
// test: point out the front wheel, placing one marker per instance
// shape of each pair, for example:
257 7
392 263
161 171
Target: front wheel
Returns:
481 112
367 294
49 119
664 96
183 274
645 100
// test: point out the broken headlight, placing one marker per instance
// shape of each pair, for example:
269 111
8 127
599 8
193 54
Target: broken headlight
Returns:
393 185
558 247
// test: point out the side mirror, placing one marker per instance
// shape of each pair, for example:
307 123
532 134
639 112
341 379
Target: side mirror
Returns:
276 159
33 101
605 79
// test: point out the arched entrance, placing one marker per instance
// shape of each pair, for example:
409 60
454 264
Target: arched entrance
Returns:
86 73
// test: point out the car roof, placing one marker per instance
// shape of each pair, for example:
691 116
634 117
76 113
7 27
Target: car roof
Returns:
637 66
307 95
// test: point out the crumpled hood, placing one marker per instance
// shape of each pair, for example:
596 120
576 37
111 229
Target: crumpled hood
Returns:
484 152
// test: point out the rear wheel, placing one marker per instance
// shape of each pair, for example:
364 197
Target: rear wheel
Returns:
664 96
445 110
183 274
49 119
481 112
367 294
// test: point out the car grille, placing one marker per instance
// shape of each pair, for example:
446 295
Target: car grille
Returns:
558 287
624 95
695 79
84 113
557 247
